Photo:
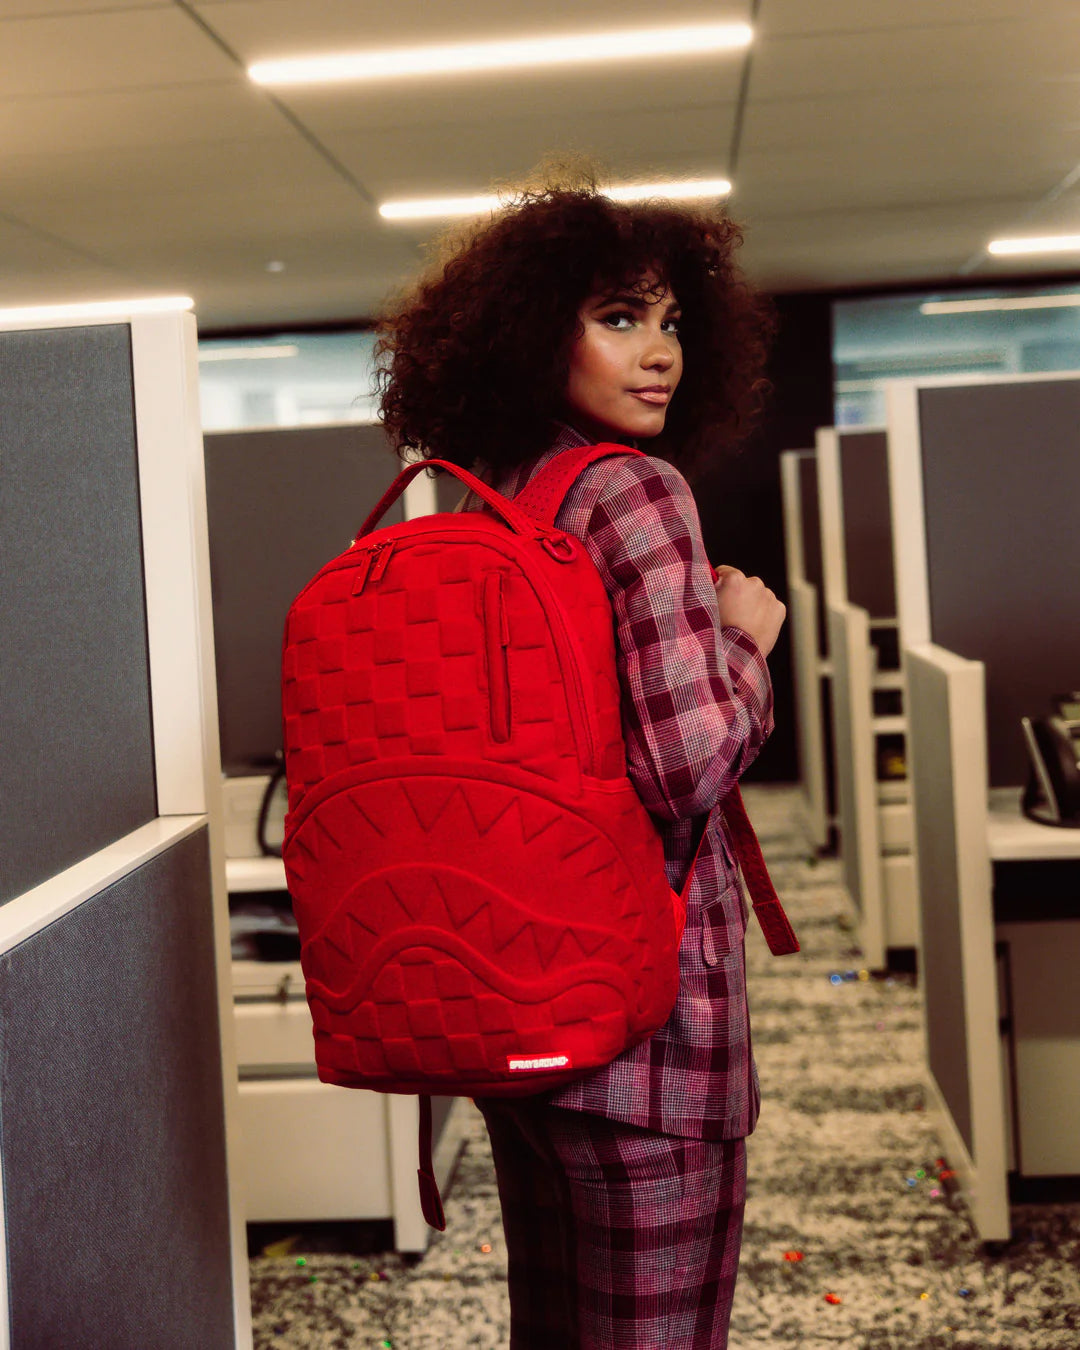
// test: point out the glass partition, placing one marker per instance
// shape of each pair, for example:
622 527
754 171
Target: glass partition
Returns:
974 332
286 380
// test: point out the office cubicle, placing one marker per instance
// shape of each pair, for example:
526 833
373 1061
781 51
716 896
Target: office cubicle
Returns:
986 581
117 1069
809 644
867 691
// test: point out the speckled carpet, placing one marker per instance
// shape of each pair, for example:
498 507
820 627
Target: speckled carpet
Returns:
851 1236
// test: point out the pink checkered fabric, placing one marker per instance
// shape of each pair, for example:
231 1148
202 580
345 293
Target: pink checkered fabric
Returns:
696 704
618 1238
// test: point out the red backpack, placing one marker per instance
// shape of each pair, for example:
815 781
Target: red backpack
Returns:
479 891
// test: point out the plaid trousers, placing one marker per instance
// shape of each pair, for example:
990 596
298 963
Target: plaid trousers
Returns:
619 1238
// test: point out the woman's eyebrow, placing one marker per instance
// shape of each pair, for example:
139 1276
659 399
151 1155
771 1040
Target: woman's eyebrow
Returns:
634 300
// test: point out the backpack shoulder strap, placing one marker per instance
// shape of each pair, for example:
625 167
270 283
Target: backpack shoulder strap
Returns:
542 497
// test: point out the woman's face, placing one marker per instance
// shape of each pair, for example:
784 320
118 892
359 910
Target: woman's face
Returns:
626 364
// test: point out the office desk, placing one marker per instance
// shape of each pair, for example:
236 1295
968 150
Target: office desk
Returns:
1036 896
1013 838
313 1151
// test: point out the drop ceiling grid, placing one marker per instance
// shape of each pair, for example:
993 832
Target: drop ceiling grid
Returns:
881 142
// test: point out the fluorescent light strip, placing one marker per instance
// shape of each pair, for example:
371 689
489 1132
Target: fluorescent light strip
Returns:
426 208
1051 243
246 353
1015 302
456 58
104 309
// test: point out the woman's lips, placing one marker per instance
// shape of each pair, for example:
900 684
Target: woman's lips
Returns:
651 395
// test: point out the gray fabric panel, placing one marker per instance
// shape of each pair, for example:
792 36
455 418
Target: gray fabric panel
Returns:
868 546
281 503
999 463
940 957
111 1120
77 770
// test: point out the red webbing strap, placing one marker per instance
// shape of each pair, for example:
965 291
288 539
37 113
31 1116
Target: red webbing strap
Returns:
430 1199
775 924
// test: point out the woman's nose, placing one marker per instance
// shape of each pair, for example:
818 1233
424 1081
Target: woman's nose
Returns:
657 356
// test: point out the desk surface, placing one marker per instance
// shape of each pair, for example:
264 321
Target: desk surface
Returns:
1012 837
255 874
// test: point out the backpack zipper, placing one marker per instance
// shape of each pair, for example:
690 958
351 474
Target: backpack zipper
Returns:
497 632
372 564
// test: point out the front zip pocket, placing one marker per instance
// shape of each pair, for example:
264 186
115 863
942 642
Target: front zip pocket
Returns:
497 633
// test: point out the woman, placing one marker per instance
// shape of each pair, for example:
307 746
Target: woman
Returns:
569 319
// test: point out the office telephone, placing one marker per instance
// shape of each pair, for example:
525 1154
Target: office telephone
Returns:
1052 795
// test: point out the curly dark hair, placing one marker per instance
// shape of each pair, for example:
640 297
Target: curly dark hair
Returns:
472 363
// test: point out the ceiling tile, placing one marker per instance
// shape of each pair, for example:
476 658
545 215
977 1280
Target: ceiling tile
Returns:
271 29
36 270
920 172
787 18
45 9
160 118
434 159
108 49
282 169
541 95
917 58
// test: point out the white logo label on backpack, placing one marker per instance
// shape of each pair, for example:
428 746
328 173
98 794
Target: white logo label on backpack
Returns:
523 1063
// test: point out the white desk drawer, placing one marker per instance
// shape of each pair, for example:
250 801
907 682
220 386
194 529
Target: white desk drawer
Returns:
901 902
894 827
274 1034
314 1151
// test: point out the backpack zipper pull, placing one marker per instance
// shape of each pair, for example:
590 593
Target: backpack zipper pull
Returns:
372 565
382 557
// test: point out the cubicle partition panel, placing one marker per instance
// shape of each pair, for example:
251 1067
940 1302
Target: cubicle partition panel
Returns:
857 567
856 546
957 961
986 583
803 559
280 502
856 787
117 1120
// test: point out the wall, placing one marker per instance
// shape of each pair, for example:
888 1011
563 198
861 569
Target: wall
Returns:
739 499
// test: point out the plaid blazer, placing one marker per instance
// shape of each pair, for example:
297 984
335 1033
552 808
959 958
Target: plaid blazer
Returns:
697 707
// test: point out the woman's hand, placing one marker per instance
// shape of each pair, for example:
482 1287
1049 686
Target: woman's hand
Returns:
747 603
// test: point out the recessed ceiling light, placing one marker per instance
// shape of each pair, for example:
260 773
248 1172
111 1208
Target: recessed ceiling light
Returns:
457 58
99 309
1051 243
276 266
999 303
430 207
247 353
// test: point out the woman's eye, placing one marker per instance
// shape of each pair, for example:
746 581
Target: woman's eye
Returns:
672 325
616 318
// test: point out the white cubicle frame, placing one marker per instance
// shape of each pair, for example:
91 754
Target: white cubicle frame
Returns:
180 639
880 886
809 668
983 835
